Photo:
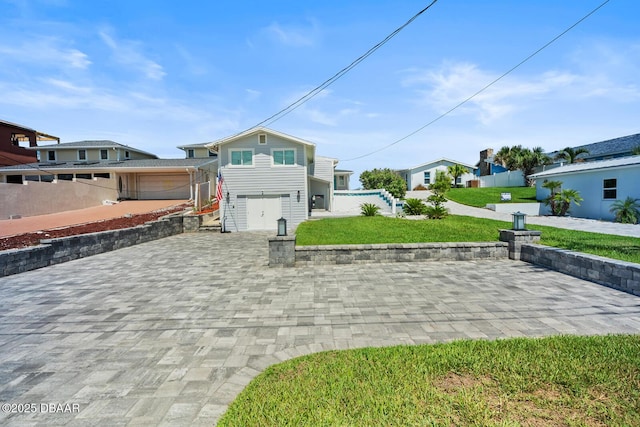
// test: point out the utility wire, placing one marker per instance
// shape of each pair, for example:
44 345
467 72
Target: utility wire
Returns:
446 113
280 114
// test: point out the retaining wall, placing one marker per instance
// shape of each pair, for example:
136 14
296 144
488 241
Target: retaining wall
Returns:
399 252
56 251
620 275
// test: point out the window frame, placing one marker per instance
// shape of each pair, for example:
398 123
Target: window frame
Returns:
82 154
191 153
426 178
106 151
284 163
610 188
262 139
49 155
242 158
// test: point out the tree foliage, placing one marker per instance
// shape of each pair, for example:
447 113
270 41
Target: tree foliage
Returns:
456 171
626 211
414 207
523 159
570 155
384 178
436 200
635 151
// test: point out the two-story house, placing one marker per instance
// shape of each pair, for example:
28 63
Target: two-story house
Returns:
197 151
267 175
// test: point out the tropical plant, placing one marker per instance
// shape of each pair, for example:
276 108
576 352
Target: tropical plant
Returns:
635 151
553 187
627 211
570 155
456 171
563 200
369 209
437 198
414 207
384 178
524 159
420 187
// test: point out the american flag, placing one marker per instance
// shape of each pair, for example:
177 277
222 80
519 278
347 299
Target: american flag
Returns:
219 187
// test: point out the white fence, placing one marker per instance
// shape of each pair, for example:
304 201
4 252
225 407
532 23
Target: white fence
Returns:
503 179
203 194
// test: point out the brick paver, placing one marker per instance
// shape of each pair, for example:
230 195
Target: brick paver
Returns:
169 332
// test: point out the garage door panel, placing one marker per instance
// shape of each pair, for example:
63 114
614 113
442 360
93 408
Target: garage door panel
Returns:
263 212
167 186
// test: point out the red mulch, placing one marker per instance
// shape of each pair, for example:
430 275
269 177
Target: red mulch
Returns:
31 239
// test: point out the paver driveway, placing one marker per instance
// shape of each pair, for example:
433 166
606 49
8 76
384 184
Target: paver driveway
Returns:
168 332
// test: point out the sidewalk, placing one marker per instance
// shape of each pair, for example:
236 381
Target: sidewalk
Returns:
10 227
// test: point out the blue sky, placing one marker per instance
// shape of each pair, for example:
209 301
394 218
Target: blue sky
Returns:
158 74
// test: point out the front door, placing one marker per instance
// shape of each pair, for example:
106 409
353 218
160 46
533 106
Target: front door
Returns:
263 212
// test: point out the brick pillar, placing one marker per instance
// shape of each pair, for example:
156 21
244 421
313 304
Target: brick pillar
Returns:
515 239
282 251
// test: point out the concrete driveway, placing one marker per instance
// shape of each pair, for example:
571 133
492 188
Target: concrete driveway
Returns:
169 332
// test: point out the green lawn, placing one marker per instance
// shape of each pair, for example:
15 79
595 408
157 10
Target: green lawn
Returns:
480 197
572 381
454 228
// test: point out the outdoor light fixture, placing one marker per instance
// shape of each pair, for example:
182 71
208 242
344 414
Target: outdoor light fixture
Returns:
519 221
228 197
282 227
298 195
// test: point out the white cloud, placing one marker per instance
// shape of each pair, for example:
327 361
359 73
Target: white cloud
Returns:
45 51
293 36
128 53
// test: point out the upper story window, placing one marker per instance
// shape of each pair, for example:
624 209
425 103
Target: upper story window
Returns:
341 180
126 155
191 153
82 154
284 157
51 155
104 154
427 178
262 139
241 157
610 189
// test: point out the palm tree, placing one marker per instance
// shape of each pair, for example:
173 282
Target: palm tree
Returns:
627 211
563 200
553 187
528 160
524 159
570 155
456 171
635 151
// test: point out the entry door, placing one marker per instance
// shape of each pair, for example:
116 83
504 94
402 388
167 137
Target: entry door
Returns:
263 212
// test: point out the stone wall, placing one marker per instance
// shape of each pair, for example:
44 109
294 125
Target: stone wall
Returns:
56 251
624 276
399 252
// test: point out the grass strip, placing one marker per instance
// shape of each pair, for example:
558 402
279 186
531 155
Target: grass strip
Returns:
562 380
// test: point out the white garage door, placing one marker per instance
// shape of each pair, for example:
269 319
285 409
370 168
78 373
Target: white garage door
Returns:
263 212
163 187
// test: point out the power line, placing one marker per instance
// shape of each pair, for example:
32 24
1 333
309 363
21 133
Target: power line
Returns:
280 114
446 113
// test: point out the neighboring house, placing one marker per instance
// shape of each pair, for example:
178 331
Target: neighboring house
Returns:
269 175
486 166
197 151
101 170
15 141
609 149
425 173
600 183
341 179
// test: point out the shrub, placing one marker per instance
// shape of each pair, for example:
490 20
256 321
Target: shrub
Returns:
420 187
369 209
627 211
414 207
384 178
436 212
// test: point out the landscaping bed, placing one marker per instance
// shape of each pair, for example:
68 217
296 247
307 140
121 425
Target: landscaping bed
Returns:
32 239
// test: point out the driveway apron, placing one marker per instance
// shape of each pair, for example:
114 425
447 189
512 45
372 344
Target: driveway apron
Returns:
169 332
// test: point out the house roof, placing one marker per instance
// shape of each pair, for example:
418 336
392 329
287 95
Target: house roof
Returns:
443 159
629 161
200 145
342 172
89 144
124 165
257 130
39 135
609 147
